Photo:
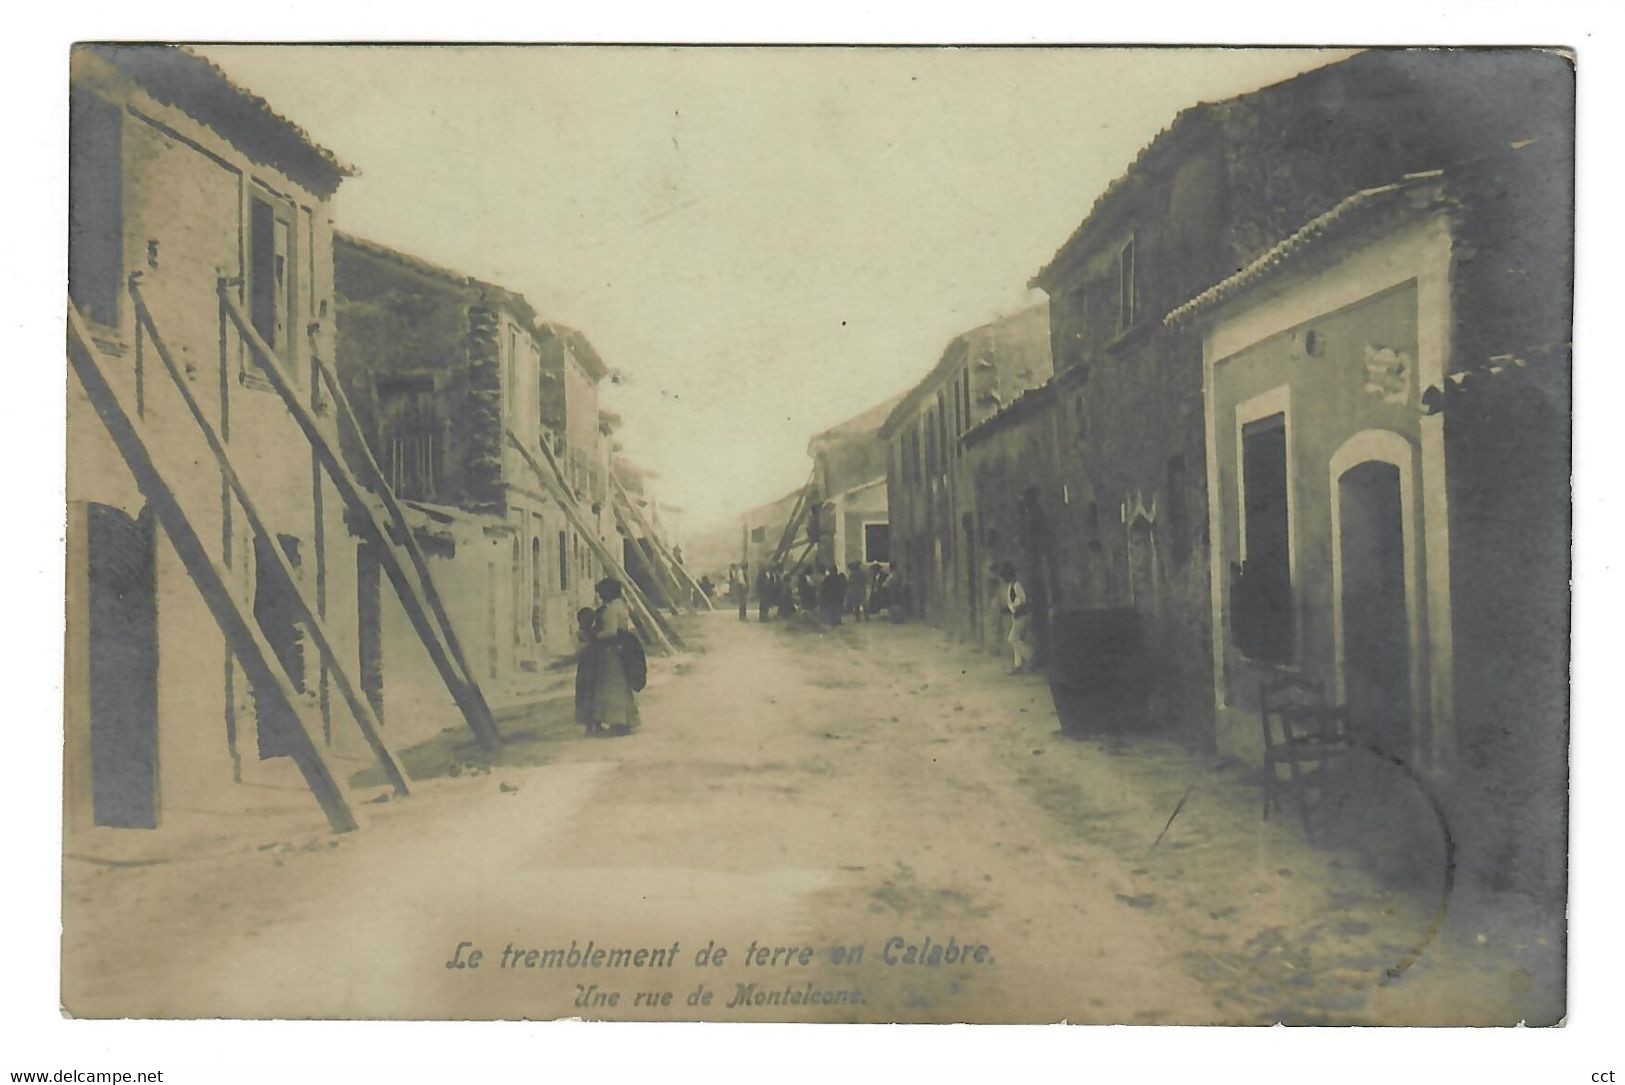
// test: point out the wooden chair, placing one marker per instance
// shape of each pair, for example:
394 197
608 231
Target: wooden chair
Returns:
1303 734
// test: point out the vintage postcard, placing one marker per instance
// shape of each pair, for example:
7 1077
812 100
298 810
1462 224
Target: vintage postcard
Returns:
818 534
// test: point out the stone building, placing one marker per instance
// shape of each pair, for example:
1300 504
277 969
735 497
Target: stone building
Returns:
647 540
942 546
441 367
848 514
1010 463
762 528
194 681
1387 408
1220 186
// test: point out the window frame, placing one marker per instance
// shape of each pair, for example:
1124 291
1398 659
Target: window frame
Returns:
1128 291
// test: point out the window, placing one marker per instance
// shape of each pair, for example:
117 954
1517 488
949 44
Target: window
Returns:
1077 300
564 562
758 534
1128 299
96 213
964 394
510 387
270 273
517 586
409 421
536 587
1261 589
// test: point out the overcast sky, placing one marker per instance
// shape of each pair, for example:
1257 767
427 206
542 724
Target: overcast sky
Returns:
765 242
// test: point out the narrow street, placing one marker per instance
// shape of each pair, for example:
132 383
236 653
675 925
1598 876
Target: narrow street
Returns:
802 788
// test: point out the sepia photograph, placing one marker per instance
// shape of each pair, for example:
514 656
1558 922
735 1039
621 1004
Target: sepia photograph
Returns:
818 534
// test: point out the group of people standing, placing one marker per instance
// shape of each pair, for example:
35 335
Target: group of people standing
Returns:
611 669
824 592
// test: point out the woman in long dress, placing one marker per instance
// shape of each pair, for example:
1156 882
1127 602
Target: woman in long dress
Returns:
587 669
614 705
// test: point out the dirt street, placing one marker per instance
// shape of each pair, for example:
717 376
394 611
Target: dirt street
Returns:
835 798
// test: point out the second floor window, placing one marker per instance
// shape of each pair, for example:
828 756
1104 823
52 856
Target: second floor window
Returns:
410 425
270 273
1128 296
96 214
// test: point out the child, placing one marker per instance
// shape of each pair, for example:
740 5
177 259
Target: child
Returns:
586 669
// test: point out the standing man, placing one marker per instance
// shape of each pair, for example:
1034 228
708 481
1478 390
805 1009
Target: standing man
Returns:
739 587
1015 601
833 591
764 594
857 591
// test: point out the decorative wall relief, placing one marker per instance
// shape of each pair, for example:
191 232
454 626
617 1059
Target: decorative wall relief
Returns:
1388 373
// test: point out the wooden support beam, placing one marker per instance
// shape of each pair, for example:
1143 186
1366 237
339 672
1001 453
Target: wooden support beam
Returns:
661 591
674 568
664 631
242 633
788 535
806 552
374 480
654 630
667 592
458 680
365 720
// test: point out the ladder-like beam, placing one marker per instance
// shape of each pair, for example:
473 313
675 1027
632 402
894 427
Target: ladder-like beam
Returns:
242 633
807 549
453 671
673 568
666 632
788 535
662 592
365 720
375 480
641 610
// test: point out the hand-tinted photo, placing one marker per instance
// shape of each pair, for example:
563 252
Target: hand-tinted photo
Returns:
818 534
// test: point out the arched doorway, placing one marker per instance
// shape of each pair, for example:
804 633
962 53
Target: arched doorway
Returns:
123 658
1376 636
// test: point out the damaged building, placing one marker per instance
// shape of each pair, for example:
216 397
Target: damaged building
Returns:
1220 186
1387 407
217 651
325 498
442 367
948 544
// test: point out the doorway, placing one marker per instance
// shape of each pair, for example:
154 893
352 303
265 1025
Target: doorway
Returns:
1376 628
123 608
277 612
972 587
